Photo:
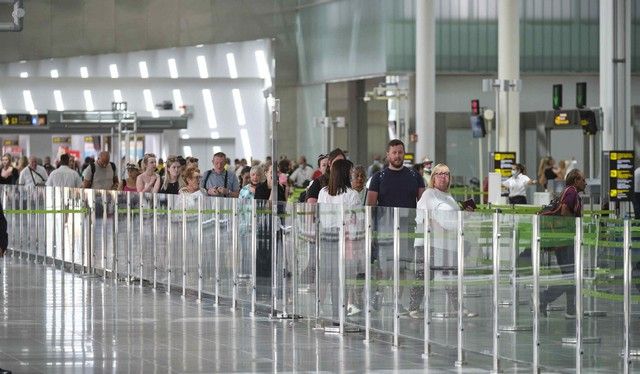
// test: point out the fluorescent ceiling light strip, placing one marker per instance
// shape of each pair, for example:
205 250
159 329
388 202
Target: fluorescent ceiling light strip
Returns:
148 100
24 74
202 67
231 63
88 100
113 70
216 149
246 144
57 96
208 105
54 73
177 99
117 96
2 110
215 135
237 103
155 113
144 71
84 72
28 101
263 67
187 151
173 68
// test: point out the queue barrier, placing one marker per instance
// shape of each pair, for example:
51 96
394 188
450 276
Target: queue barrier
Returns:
472 282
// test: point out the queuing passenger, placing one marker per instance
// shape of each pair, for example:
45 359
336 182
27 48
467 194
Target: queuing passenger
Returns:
570 206
323 162
33 174
192 161
102 174
8 174
263 190
426 173
245 177
394 186
218 181
517 184
442 208
256 176
314 188
172 182
547 171
129 183
148 180
64 176
47 165
191 178
358 179
303 173
23 162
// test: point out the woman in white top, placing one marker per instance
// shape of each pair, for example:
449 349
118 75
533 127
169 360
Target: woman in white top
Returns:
517 185
337 192
442 208
149 180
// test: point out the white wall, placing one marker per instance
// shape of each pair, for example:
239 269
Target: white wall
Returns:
222 121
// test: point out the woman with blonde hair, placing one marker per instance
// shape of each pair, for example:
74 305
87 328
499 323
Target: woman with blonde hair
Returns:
149 180
8 174
172 182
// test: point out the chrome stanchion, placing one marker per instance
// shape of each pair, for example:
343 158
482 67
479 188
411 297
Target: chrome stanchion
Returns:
155 240
29 224
578 298
216 255
626 353
141 232
184 246
341 271
73 232
54 226
591 310
396 277
116 233
294 261
496 290
426 253
274 256
535 263
254 253
367 274
21 230
234 253
460 352
129 236
37 223
169 240
103 240
316 273
200 202
63 225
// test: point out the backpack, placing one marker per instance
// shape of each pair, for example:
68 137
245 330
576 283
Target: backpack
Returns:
554 207
93 171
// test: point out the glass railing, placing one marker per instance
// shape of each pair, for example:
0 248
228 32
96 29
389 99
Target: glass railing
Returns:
543 292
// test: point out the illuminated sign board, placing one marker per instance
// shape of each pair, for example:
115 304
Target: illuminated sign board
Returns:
621 167
561 119
502 163
24 120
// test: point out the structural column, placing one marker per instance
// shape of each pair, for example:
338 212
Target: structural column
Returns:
615 73
509 69
425 78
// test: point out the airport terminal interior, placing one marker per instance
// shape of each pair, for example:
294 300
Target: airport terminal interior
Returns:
458 186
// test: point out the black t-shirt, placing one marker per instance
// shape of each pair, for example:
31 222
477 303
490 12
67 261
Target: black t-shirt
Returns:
549 175
172 188
397 188
263 192
314 190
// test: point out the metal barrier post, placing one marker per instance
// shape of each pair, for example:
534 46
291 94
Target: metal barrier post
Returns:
129 236
341 271
426 253
216 254
73 204
367 274
169 242
496 290
460 353
21 231
234 252
578 277
626 353
316 274
396 277
294 260
29 223
184 245
274 257
254 252
200 198
535 262
37 224
64 200
54 241
155 240
103 241
116 232
141 235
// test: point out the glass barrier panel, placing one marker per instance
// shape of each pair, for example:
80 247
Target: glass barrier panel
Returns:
263 253
381 299
144 270
354 264
174 243
602 293
557 292
328 278
515 282
634 305
477 283
122 232
286 259
305 259
244 263
161 244
224 218
208 245
191 231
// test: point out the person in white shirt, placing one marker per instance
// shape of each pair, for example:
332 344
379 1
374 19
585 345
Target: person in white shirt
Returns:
33 174
442 208
64 176
302 174
337 192
517 184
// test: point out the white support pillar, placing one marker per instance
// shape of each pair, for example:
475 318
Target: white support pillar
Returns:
425 79
509 69
615 74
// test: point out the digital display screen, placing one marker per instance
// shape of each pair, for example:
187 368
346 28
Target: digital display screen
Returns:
24 120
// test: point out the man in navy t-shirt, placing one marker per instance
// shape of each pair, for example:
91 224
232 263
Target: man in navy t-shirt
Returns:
394 186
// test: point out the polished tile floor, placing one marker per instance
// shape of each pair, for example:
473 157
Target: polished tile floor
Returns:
52 321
